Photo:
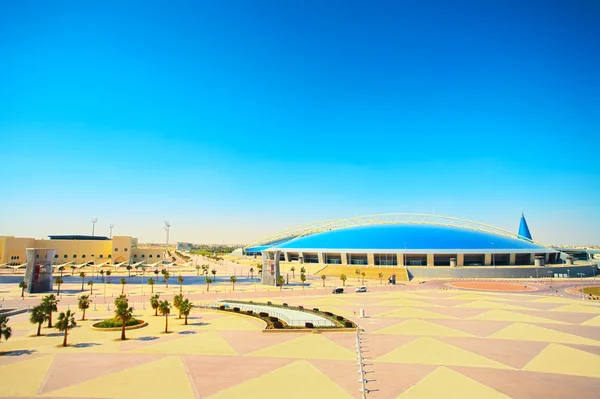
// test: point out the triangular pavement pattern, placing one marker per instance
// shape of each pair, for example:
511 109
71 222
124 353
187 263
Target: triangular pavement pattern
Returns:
288 380
491 305
414 313
313 346
244 342
443 383
560 359
315 303
505 315
410 302
206 343
478 297
210 380
431 351
422 327
150 383
24 378
593 322
234 323
90 366
578 309
478 328
528 332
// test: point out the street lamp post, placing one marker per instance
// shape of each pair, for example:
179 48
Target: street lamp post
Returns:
581 279
404 254
568 274
493 257
550 277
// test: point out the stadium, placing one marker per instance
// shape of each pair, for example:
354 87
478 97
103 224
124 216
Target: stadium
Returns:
424 245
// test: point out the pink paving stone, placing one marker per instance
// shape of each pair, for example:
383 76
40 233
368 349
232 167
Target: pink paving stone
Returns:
343 373
70 369
459 313
391 379
11 359
530 385
595 350
135 343
371 325
512 353
582 331
574 318
374 346
249 341
211 374
480 328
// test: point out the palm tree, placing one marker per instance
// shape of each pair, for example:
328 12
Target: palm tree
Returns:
121 299
293 270
129 269
73 269
380 278
251 273
363 274
303 279
357 272
37 316
83 304
233 279
123 282
108 273
280 282
208 281
49 304
302 270
58 281
343 278
82 275
156 272
198 267
177 299
214 273
165 308
66 321
154 302
166 276
102 274
185 308
91 285
259 266
323 277
22 286
124 313
180 281
151 283
205 269
5 330
61 270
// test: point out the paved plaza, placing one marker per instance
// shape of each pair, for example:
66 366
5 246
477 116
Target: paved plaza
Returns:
421 341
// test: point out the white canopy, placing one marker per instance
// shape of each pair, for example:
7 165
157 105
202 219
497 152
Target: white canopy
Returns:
118 264
19 266
153 264
184 264
138 263
62 265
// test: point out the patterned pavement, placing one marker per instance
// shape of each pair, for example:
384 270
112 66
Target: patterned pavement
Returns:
419 343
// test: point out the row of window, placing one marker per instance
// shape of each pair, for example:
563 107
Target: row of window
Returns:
143 256
14 257
124 249
65 256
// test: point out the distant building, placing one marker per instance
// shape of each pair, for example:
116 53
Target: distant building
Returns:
184 246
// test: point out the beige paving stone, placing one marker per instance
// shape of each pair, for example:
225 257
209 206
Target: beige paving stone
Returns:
505 315
492 305
593 322
578 309
422 327
414 313
427 350
207 343
444 383
561 359
528 332
311 346
24 379
410 302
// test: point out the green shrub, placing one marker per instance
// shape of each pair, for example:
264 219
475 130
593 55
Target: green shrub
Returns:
248 312
237 310
113 323
315 309
340 318
277 324
348 324
301 307
222 307
263 314
309 325
273 319
285 305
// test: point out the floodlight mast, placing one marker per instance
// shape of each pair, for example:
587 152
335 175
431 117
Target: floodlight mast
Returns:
94 220
167 227
111 227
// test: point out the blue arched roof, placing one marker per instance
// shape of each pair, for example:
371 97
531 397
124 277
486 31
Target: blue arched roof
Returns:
416 237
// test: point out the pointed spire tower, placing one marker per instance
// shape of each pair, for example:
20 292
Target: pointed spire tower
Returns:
524 229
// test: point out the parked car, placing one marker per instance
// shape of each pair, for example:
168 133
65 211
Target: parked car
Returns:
338 290
361 289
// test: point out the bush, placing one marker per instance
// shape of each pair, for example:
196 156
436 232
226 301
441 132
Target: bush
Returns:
278 324
301 307
248 312
315 309
328 313
237 310
269 303
285 305
263 314
309 325
340 318
222 307
348 324
273 319
112 323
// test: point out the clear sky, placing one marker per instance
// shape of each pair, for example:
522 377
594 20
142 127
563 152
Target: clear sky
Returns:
235 119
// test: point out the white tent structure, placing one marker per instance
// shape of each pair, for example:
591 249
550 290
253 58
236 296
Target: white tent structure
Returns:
138 264
155 264
117 265
54 267
22 265
183 265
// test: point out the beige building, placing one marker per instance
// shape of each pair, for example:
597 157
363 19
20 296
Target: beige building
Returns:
79 249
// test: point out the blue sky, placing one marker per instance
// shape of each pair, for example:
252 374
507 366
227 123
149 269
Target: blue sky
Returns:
234 119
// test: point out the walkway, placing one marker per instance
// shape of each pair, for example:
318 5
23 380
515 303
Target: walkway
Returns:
290 316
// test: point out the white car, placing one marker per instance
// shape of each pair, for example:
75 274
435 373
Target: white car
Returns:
361 289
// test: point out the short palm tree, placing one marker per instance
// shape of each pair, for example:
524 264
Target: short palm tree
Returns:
49 304
102 274
66 321
22 286
108 273
363 274
251 272
124 313
280 282
185 308
61 270
129 270
177 299
380 278
82 275
208 281
154 302
233 279
214 273
91 285
165 309
180 281
5 330
198 267
73 270
343 278
302 270
293 270
151 283
357 272
83 304
121 299
37 316
323 277
58 281
303 279
123 282
166 276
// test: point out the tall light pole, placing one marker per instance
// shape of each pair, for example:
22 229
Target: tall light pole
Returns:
167 227
94 220
493 257
582 293
111 227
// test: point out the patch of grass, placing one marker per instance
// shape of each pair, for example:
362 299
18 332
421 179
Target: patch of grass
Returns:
112 323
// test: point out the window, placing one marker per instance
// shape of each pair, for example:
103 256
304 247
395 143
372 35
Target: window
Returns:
109 256
37 255
143 256
150 255
135 255
93 255
65 256
101 256
125 249
116 249
74 256
83 256
55 256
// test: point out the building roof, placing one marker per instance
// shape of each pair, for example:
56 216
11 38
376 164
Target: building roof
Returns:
524 229
78 237
412 238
